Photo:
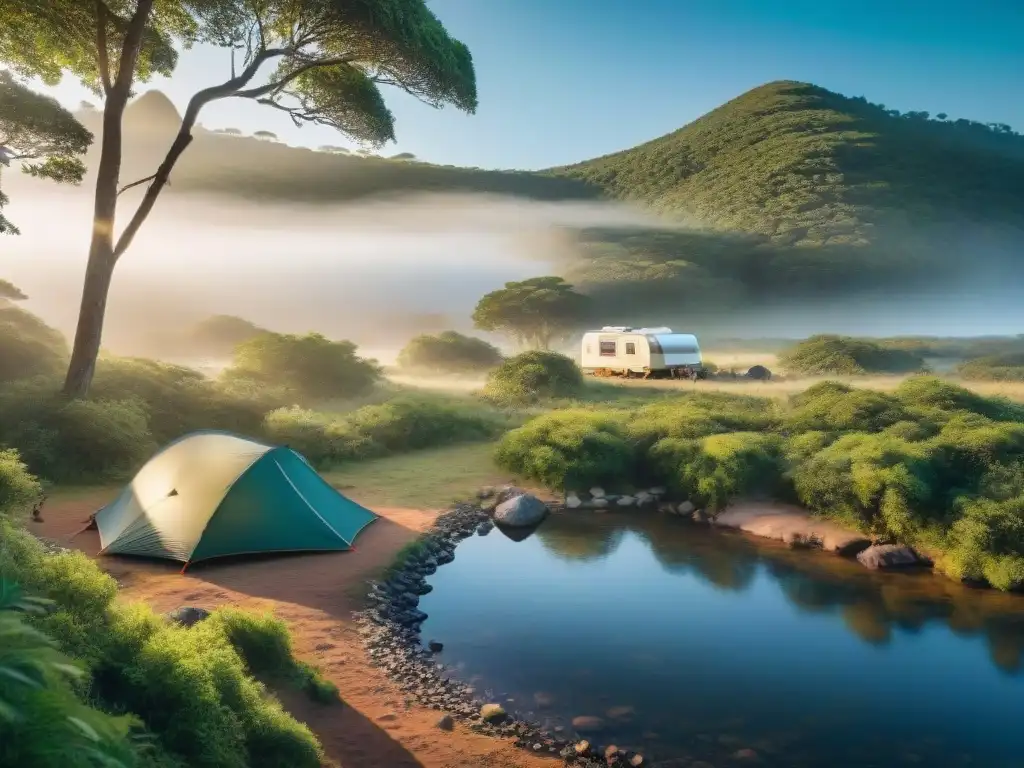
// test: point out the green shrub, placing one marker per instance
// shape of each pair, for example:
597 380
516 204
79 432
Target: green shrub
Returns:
18 488
827 355
44 722
714 470
403 424
28 346
929 392
191 688
76 440
1006 367
833 407
533 376
310 366
449 352
570 449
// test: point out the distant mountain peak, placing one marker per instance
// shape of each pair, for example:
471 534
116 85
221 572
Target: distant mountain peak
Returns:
152 110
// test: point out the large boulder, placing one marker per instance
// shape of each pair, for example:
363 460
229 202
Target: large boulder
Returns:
888 556
521 511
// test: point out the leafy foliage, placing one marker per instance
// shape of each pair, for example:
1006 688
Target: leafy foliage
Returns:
11 292
1008 367
846 356
28 346
930 464
534 375
400 425
449 352
193 689
534 312
39 134
43 722
311 366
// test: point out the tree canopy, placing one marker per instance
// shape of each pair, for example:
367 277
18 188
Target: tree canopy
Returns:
10 291
449 352
534 312
40 135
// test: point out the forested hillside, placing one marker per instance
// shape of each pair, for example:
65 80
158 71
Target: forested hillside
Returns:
787 191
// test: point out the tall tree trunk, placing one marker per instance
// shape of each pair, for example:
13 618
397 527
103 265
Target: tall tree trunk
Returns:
100 268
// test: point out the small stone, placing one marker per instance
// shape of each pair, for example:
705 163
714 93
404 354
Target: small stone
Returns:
493 713
446 723
573 502
188 615
600 503
699 517
610 751
686 508
668 508
626 501
658 490
636 760
597 492
388 717
538 747
582 747
435 647
643 498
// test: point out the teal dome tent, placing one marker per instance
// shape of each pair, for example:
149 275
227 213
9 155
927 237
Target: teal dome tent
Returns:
213 494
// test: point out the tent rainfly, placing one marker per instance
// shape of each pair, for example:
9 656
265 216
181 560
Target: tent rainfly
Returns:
213 494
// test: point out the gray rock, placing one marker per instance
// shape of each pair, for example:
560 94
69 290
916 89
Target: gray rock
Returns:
446 723
520 511
658 490
507 492
686 508
597 492
600 503
667 507
700 517
888 556
626 501
573 501
492 713
643 498
188 615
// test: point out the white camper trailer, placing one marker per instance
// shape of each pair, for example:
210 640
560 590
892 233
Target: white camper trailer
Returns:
641 352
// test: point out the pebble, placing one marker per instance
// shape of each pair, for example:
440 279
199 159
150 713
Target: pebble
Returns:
446 723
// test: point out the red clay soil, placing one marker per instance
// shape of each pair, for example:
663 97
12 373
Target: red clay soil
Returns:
315 594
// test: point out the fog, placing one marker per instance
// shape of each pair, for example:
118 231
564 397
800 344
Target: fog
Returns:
368 270
346 270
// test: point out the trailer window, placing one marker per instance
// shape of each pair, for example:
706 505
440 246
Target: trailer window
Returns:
630 348
607 349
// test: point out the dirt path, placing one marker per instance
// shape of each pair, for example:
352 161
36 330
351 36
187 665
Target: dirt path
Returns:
315 594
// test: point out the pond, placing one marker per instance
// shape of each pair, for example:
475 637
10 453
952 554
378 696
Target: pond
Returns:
689 645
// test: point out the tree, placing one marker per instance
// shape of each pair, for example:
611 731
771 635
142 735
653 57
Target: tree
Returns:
311 366
534 312
40 134
265 135
331 58
449 352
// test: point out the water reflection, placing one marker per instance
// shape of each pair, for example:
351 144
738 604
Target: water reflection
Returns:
872 605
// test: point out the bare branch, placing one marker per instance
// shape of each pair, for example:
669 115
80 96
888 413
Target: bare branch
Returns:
102 51
126 187
294 113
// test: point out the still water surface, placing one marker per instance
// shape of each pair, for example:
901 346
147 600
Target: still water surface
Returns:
692 645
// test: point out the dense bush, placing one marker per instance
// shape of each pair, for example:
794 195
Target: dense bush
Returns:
192 689
18 487
44 722
930 464
1008 367
403 424
449 352
532 376
846 356
28 346
311 366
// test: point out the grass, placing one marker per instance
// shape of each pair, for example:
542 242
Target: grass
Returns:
427 479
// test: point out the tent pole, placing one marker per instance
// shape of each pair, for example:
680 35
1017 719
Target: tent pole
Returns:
182 571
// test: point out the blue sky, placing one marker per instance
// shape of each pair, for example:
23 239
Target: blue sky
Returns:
564 80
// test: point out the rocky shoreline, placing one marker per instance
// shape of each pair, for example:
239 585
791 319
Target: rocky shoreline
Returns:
390 630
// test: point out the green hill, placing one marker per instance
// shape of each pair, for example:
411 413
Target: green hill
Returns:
787 191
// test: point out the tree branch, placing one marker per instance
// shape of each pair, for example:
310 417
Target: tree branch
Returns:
126 187
102 51
277 85
184 138
131 46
